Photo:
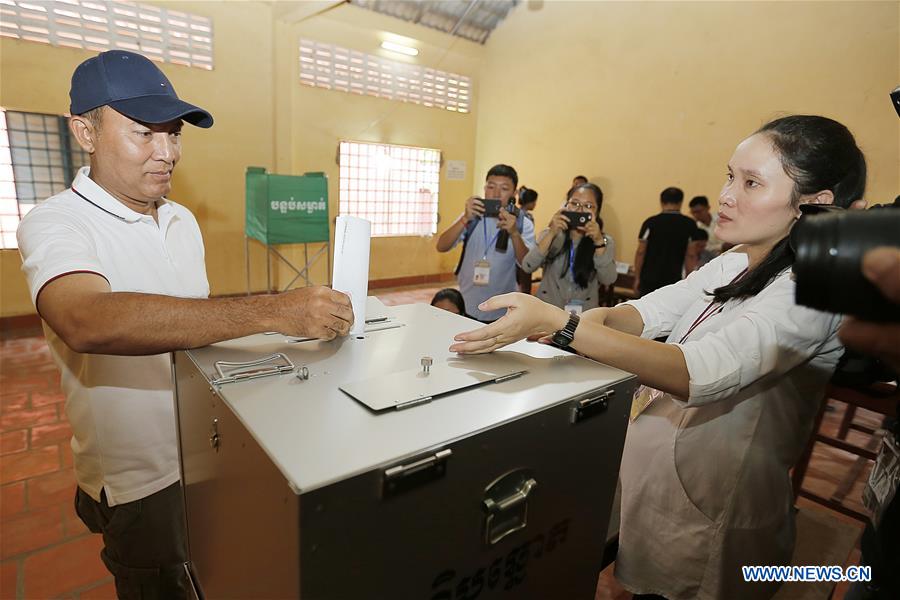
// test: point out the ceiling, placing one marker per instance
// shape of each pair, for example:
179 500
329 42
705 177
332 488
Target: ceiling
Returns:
469 19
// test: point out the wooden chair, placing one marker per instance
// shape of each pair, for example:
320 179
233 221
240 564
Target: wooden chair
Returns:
881 398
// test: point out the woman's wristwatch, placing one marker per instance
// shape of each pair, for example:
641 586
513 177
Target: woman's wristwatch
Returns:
566 335
603 245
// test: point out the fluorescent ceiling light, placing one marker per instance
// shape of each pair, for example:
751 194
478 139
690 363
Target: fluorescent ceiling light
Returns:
393 47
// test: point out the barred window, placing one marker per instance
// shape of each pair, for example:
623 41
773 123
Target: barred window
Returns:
38 159
336 68
160 34
394 187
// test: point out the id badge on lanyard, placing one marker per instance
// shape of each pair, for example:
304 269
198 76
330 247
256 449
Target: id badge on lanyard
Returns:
575 307
482 274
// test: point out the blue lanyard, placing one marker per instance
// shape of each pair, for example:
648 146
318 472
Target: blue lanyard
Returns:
487 244
572 260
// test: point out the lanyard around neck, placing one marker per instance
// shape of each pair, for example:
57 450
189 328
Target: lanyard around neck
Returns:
713 308
487 244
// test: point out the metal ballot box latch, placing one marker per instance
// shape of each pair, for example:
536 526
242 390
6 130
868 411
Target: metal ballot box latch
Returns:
592 405
506 505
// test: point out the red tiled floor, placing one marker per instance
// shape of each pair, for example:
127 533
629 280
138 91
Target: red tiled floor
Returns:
74 564
43 399
54 433
12 402
105 591
30 463
42 535
28 417
12 499
30 531
13 441
51 490
8 574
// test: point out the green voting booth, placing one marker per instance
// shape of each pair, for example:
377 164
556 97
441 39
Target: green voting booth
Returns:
287 209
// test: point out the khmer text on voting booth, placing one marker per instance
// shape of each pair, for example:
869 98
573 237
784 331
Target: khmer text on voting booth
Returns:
287 209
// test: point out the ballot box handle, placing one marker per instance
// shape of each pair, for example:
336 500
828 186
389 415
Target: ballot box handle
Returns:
229 372
414 473
506 504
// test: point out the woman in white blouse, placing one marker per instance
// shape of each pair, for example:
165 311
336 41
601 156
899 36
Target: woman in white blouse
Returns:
728 402
575 260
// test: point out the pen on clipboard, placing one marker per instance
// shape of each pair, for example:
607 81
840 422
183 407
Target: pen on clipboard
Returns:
378 320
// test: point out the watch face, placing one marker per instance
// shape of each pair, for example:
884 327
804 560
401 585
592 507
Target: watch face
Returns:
560 338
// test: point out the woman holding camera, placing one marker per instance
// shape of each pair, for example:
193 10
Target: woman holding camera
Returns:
575 257
728 402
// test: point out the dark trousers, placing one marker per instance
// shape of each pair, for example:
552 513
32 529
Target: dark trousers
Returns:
144 542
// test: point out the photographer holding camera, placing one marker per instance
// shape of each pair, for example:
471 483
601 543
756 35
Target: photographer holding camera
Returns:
729 400
575 253
487 266
880 542
849 262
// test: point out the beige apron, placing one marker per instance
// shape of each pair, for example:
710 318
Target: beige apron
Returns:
706 490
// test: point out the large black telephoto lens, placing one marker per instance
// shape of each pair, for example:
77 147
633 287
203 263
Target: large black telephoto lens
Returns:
828 266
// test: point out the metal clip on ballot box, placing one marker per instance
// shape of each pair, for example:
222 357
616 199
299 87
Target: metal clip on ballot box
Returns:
230 372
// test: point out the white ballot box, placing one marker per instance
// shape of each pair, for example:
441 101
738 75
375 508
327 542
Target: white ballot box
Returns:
383 466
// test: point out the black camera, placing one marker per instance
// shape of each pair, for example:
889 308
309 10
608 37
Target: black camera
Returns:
491 207
503 236
829 244
577 219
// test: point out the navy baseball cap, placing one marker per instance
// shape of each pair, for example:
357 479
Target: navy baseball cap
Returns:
131 84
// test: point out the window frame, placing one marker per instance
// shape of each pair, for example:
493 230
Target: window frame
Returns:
381 187
20 175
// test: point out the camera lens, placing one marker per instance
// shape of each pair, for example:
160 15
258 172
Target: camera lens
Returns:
829 250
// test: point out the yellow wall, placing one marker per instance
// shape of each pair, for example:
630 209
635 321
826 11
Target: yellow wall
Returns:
637 96
210 177
641 96
311 122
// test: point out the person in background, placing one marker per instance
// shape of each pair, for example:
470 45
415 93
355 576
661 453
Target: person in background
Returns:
575 260
706 221
527 203
451 300
729 400
668 243
492 246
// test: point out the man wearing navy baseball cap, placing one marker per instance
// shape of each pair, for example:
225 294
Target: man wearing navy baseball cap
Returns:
116 271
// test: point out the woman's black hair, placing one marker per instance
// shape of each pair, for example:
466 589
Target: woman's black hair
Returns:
527 196
453 296
818 154
584 253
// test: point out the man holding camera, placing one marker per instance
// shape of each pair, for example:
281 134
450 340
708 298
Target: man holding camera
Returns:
487 229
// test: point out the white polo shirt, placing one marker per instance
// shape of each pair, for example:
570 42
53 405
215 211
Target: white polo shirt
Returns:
121 408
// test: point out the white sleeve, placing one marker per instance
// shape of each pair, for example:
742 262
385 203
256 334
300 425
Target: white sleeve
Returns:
528 232
662 308
772 337
53 244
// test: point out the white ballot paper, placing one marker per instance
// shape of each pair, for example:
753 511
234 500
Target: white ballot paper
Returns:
351 265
